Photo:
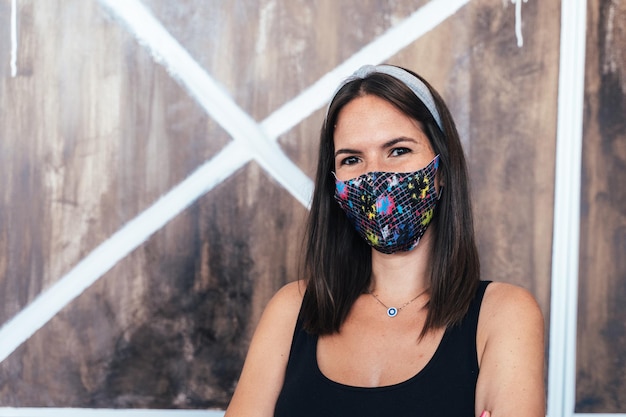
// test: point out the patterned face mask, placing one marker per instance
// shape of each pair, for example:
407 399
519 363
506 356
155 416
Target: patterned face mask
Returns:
390 210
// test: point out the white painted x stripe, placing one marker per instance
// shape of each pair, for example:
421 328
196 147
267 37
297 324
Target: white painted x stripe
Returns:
212 97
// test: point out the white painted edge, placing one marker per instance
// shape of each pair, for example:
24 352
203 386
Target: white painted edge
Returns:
598 415
102 412
47 304
565 244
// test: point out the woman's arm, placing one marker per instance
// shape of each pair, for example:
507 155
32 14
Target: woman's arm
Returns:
264 369
510 344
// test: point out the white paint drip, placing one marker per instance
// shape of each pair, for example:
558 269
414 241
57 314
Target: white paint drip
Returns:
102 412
265 23
13 38
609 64
518 21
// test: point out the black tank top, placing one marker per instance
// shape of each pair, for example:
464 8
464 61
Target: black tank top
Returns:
445 387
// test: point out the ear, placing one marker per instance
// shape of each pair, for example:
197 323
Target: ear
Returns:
440 184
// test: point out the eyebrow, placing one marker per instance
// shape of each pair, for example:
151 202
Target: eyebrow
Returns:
401 139
385 145
347 151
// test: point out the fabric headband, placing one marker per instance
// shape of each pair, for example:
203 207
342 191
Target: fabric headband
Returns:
415 84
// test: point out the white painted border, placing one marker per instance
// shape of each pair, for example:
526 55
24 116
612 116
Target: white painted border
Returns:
103 412
597 415
566 233
565 240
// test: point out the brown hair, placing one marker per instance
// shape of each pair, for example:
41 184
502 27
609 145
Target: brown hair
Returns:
337 261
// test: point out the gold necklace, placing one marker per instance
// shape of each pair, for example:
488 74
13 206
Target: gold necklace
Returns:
393 311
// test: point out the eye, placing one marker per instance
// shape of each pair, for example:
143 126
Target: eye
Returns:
399 151
351 160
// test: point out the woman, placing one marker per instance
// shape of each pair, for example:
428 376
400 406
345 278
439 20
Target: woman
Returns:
392 318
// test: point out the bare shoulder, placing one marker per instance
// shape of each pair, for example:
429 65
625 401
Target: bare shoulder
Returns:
264 368
503 302
510 347
280 315
293 291
508 313
279 318
287 301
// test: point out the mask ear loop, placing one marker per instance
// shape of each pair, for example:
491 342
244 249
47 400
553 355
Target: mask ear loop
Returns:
440 186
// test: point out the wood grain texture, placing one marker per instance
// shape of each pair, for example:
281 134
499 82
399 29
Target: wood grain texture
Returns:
503 99
601 354
93 131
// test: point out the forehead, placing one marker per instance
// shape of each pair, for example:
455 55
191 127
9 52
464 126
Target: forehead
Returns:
370 119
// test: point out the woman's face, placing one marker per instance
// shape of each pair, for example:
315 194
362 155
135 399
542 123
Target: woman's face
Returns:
373 135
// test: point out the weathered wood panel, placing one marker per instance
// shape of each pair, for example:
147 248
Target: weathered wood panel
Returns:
601 367
93 131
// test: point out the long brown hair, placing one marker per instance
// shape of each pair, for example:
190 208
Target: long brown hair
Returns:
337 261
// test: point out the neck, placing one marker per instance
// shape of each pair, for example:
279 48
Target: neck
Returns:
402 275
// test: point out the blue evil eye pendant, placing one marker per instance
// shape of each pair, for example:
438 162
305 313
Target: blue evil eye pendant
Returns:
392 311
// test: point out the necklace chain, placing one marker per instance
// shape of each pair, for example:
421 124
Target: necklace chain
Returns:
393 311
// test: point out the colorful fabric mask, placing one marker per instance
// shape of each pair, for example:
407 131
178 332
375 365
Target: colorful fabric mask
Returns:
390 210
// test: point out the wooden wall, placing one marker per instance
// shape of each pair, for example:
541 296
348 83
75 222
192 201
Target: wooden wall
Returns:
601 370
93 131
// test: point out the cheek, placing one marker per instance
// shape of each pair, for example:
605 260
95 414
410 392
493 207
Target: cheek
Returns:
344 174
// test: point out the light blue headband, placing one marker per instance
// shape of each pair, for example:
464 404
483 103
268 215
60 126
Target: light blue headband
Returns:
415 84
